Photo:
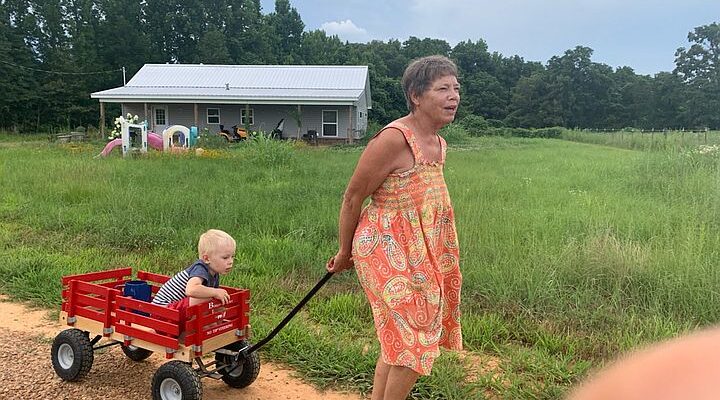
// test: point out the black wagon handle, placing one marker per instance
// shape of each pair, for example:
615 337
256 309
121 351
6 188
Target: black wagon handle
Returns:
292 313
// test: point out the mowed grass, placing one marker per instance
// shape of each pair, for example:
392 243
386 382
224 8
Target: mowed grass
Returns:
572 253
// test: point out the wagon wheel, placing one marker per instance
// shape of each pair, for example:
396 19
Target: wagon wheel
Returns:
135 353
176 380
241 374
72 354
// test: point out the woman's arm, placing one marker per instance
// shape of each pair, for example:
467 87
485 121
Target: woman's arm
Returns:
196 289
385 154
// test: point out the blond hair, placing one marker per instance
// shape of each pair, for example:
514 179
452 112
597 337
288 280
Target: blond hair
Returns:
211 239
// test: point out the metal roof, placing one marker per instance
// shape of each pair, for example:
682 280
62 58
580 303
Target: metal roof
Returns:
259 84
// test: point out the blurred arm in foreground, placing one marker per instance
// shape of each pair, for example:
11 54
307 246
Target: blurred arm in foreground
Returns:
684 368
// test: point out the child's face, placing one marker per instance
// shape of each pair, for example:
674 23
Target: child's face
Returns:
220 260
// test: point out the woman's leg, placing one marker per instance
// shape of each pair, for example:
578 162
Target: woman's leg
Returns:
381 375
400 380
392 382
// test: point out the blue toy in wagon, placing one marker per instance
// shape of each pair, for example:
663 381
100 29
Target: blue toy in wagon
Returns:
111 305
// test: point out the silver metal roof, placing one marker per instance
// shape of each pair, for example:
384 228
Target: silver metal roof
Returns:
259 84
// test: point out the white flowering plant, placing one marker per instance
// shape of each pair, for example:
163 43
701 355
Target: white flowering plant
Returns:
117 131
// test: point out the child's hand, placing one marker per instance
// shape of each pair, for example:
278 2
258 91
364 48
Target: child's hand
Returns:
222 295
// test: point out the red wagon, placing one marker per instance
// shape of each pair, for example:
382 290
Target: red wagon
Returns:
94 305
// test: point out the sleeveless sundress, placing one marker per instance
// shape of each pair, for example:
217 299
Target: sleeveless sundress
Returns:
406 256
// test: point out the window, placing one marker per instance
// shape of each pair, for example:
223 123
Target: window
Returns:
160 118
244 113
329 123
213 116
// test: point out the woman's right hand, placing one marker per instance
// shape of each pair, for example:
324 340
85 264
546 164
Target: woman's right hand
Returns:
340 262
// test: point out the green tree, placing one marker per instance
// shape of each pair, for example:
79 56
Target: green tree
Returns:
472 57
415 48
699 67
583 87
158 26
249 36
631 100
536 102
212 48
317 48
17 80
287 26
668 101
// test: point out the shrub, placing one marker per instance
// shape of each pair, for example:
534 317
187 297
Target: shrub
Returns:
553 132
266 151
372 129
475 125
496 123
454 134
208 139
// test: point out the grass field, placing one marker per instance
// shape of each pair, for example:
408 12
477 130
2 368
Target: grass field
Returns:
571 252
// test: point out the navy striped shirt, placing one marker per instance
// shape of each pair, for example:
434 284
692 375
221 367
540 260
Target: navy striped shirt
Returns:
174 289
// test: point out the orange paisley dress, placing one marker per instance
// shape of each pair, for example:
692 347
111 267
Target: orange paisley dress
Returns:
406 256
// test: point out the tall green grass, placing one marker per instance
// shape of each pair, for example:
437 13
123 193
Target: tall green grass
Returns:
571 252
640 140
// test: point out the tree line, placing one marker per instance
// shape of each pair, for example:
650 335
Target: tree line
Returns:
54 53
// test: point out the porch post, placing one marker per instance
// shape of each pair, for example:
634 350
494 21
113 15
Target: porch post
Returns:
102 120
350 127
299 121
145 110
195 110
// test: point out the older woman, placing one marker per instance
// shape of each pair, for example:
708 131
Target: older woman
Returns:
403 244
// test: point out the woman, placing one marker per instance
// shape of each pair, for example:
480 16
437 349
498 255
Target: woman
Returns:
403 244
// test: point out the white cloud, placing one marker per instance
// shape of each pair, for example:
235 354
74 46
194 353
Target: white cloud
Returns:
344 29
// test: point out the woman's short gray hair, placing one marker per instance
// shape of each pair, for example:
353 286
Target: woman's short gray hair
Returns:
422 72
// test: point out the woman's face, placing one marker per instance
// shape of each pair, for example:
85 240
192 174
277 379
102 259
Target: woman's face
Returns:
440 101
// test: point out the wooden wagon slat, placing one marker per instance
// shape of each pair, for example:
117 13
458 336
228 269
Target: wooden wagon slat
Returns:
90 314
210 331
154 309
149 276
82 287
98 276
132 318
84 301
152 337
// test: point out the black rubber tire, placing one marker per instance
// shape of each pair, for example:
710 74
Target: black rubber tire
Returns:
242 375
135 353
72 354
177 378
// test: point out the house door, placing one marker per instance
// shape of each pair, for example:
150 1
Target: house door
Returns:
159 119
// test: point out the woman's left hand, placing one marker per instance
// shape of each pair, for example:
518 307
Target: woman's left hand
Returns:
340 262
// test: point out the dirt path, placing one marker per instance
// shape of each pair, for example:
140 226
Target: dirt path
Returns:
26 336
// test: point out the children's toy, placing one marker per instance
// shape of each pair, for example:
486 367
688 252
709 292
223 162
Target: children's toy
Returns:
113 305
186 137
125 136
166 141
153 140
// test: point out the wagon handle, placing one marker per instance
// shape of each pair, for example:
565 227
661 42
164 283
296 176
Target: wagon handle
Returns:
294 311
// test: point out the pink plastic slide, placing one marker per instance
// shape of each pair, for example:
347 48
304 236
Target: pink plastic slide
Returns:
154 141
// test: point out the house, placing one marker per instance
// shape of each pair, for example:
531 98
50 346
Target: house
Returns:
332 101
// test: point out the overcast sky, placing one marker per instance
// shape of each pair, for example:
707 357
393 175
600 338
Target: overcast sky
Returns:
642 34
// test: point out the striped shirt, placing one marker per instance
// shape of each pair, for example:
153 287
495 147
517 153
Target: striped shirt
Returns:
174 289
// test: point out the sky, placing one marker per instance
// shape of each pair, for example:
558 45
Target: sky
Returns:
641 34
